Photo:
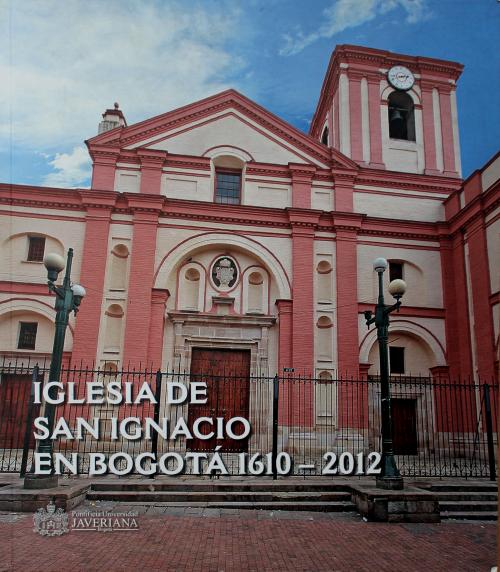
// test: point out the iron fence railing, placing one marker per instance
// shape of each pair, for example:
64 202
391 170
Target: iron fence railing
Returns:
299 425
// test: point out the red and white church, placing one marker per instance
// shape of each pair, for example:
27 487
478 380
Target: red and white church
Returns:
218 229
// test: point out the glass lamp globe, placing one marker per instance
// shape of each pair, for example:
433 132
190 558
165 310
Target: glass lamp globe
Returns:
397 288
54 263
380 265
78 293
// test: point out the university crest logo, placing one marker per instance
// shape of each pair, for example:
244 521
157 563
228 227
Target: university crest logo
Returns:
51 521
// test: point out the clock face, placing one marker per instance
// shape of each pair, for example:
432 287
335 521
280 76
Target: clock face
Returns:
401 78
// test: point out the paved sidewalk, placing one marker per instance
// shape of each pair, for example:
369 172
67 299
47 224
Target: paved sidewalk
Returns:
179 539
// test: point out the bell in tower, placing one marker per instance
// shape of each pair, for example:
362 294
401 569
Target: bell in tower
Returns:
397 124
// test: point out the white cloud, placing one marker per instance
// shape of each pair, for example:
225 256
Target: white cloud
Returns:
63 63
71 169
344 14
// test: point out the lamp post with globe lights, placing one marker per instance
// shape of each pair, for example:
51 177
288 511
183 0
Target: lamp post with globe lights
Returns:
68 299
390 477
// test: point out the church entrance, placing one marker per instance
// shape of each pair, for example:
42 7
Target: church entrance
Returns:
404 426
14 399
227 375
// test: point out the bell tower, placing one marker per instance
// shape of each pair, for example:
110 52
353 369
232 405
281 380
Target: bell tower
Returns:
391 111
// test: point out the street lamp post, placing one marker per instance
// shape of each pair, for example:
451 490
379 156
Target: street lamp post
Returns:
68 299
390 477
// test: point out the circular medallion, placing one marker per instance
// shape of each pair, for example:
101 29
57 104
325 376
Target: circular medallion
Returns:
224 273
401 77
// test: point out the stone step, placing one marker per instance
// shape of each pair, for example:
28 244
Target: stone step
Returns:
217 496
464 487
204 486
444 496
329 506
468 505
469 515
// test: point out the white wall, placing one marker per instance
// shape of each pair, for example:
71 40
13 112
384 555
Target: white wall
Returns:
60 235
231 129
388 205
422 274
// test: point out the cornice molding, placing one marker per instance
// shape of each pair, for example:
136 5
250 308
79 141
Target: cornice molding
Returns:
206 317
410 181
303 218
98 199
212 105
267 170
301 173
188 162
140 203
151 157
482 204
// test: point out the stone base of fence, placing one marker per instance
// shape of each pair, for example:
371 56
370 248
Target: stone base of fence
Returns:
408 505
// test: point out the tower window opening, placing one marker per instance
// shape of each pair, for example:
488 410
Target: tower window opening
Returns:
324 136
401 116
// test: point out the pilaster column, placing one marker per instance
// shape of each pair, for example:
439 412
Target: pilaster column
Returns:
336 119
440 373
152 162
454 285
352 404
92 272
159 297
355 116
303 226
146 211
285 308
450 168
363 370
347 294
376 156
344 190
479 281
429 129
285 359
302 176
103 168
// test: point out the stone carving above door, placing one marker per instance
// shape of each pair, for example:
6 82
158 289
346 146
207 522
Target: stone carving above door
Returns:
224 273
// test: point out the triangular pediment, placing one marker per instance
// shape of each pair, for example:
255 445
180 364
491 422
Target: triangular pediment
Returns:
229 120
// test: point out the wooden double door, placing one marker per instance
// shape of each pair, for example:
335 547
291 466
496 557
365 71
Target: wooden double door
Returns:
227 375
404 426
14 402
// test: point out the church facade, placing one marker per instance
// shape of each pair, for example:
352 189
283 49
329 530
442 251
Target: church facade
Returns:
217 231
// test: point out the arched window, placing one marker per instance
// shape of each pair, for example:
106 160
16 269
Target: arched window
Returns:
401 116
324 136
228 179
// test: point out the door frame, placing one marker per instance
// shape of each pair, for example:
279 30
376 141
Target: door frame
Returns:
218 413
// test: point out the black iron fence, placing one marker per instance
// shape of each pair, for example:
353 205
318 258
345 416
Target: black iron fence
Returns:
294 425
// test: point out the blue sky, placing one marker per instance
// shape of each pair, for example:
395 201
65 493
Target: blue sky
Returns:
63 63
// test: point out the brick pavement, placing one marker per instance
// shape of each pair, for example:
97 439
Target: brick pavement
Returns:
178 539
